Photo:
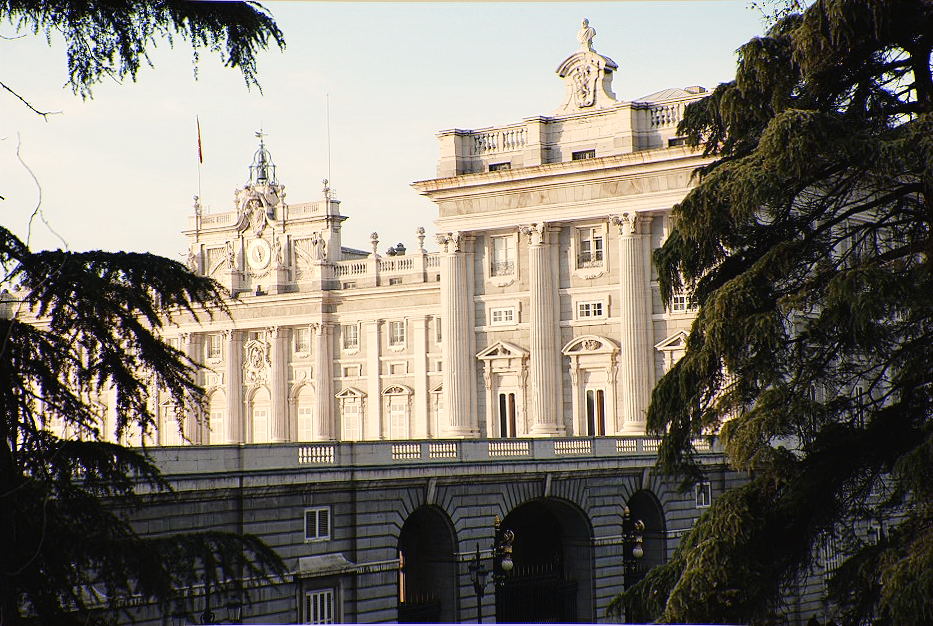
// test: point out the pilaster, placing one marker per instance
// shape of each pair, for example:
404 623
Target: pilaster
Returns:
279 337
372 425
420 428
195 426
324 429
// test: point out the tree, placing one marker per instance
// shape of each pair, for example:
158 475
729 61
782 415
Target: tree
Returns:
80 326
807 244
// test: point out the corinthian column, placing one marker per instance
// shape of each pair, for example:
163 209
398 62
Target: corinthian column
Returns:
324 380
279 394
637 361
233 424
547 413
457 331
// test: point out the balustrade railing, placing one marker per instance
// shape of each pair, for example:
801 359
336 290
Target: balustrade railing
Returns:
665 115
500 140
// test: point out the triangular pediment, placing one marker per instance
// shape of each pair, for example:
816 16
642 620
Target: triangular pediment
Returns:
677 341
350 392
502 350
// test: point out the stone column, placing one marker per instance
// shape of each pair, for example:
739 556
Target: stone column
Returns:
457 331
636 363
372 421
420 424
324 381
233 422
547 415
195 427
279 356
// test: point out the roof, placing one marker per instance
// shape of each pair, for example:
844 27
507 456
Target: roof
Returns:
671 93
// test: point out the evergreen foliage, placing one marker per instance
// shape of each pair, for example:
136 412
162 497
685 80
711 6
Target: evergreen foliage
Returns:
68 552
808 245
109 38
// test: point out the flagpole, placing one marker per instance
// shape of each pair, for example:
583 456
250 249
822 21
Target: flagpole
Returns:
197 202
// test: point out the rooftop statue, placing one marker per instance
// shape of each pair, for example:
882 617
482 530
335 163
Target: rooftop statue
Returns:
585 36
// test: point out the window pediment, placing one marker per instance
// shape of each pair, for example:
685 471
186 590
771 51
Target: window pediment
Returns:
350 392
502 350
677 341
590 344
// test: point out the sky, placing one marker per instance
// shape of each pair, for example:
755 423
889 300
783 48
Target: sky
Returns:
119 171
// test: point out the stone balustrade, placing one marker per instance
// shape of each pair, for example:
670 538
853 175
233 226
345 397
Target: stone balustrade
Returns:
341 455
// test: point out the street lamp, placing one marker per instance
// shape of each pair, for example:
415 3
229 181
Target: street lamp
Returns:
502 564
632 547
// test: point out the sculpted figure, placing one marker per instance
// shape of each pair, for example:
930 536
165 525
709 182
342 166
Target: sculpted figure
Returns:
585 36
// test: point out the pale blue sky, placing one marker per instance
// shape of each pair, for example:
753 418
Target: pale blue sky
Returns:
119 171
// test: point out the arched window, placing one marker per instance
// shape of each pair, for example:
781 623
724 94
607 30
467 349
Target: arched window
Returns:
260 416
304 407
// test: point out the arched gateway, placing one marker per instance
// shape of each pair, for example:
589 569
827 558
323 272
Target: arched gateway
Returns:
427 586
552 579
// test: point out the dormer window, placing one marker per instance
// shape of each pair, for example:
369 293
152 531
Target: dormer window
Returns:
581 155
496 167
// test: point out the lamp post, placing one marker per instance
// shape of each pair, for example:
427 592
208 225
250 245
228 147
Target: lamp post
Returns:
501 565
632 548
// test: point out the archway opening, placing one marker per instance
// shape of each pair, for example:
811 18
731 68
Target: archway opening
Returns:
552 578
427 585
644 505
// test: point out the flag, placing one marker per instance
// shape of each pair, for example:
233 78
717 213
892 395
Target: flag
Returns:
200 152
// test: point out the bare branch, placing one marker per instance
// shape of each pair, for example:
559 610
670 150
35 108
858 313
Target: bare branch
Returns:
44 114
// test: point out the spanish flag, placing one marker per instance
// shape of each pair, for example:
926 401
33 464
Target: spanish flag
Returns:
200 152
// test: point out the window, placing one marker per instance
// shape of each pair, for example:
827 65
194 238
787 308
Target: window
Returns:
215 346
503 256
438 330
317 524
350 284
302 340
592 309
595 412
351 371
351 336
305 415
397 405
319 607
683 303
396 333
591 247
498 167
502 316
581 155
506 414
350 409
395 281
676 141
704 494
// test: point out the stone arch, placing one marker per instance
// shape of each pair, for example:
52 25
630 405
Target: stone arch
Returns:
552 579
427 584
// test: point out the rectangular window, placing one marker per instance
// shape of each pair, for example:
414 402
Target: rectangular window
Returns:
581 155
351 336
317 524
438 330
704 494
592 247
398 416
351 371
396 333
683 303
302 340
350 413
503 256
502 316
676 141
319 607
506 415
395 281
498 167
215 346
587 310
350 284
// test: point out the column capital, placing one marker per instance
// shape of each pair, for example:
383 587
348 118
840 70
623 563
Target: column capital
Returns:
630 224
450 242
537 233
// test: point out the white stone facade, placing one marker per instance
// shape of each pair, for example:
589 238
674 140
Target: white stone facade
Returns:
539 316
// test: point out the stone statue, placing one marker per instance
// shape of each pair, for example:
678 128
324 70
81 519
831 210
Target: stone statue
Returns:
585 36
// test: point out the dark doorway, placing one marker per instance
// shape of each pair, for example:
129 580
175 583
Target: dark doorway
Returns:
552 579
644 506
428 573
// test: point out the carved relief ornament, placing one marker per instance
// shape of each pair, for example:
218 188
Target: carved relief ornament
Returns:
630 224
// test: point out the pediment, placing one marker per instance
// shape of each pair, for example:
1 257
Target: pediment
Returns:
590 344
677 341
397 390
351 392
502 350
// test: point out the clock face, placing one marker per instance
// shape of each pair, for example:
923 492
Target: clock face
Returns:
258 254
